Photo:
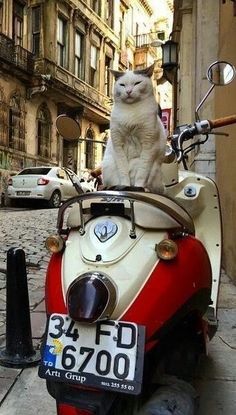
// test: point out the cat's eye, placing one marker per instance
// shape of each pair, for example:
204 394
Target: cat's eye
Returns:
137 83
122 84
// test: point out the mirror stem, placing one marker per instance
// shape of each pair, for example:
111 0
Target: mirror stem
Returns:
202 102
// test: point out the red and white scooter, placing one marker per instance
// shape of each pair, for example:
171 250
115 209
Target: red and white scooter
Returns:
132 285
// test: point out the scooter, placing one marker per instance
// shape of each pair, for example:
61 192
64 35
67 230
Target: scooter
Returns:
132 284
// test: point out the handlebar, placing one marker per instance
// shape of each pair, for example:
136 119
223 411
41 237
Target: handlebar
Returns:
199 127
221 122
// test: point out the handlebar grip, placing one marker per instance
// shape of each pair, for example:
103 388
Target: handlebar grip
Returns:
221 122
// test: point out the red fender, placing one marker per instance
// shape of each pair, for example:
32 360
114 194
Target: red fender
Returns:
53 290
171 285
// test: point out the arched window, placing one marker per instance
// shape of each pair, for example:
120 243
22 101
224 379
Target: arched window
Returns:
89 149
105 139
44 131
16 123
3 119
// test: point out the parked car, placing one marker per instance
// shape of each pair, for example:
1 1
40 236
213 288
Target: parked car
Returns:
43 183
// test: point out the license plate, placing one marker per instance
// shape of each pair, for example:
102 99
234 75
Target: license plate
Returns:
107 355
23 193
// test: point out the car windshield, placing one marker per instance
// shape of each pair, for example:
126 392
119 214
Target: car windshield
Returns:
39 170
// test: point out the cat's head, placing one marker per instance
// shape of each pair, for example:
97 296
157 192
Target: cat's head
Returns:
133 86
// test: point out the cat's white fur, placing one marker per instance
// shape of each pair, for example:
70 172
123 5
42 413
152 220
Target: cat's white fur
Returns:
136 147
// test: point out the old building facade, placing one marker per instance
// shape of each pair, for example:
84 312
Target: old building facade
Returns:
55 58
205 32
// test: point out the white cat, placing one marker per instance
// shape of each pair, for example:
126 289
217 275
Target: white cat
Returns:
136 148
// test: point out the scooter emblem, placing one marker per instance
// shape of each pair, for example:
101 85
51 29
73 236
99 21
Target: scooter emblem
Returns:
105 230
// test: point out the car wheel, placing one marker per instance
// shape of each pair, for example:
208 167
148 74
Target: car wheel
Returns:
12 203
55 199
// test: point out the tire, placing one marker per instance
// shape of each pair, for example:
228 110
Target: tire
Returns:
12 203
55 199
125 405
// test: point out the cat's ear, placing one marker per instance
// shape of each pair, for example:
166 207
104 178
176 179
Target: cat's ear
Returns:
116 74
147 71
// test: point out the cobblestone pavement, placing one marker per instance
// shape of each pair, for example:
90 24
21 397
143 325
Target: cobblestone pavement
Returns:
26 229
23 393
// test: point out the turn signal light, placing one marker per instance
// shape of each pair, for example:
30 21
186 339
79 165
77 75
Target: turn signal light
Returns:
54 243
166 249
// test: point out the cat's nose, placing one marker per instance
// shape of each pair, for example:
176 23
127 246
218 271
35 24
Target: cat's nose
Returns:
128 91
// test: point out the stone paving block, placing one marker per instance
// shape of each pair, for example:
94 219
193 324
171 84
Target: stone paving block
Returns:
220 362
227 296
36 295
3 299
2 284
7 378
216 397
29 396
38 323
227 318
40 307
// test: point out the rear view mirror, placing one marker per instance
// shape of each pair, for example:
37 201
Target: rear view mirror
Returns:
220 73
68 128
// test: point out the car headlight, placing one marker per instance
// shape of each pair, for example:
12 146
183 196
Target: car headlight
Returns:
91 297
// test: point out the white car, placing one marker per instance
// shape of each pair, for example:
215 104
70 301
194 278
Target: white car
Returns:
43 183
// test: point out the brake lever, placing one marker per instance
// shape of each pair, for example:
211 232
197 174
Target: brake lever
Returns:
219 133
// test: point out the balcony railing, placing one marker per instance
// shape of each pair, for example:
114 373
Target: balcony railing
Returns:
146 39
24 59
15 54
6 48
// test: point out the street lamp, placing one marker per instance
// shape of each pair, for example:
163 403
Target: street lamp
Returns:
169 55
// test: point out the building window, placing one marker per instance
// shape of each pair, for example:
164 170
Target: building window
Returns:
130 22
93 66
36 22
16 124
79 55
161 35
1 14
61 42
109 12
3 119
44 131
89 149
17 25
121 34
107 76
95 5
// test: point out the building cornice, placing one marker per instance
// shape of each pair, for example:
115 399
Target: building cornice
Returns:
146 5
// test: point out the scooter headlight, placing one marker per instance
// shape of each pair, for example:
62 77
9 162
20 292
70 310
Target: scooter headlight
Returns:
91 297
